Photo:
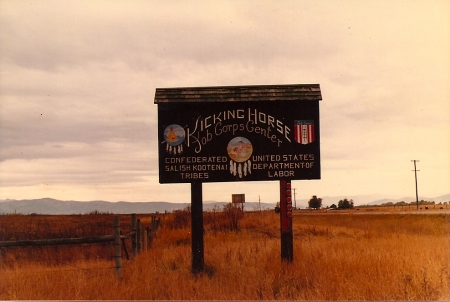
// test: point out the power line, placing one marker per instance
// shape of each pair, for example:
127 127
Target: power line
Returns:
415 173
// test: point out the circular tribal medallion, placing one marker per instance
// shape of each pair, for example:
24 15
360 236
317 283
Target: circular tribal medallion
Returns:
240 150
174 135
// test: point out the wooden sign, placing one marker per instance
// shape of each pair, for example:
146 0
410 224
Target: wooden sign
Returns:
238 198
238 133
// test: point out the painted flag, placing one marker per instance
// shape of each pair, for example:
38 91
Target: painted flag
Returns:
304 131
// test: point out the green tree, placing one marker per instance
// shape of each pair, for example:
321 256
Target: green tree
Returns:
315 203
345 204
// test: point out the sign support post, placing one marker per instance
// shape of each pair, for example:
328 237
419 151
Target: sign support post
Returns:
198 262
287 238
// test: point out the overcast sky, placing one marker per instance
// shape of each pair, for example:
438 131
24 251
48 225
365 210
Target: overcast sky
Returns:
78 78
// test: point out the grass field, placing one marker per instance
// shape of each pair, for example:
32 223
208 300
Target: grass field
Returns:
336 257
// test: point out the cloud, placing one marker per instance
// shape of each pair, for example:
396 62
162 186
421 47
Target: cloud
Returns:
78 78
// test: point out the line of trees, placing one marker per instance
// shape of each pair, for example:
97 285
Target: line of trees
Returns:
345 204
316 203
421 202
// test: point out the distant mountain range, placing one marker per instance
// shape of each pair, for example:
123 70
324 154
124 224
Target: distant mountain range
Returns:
59 207
443 198
55 207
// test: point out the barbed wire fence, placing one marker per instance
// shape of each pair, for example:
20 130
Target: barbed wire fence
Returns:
87 254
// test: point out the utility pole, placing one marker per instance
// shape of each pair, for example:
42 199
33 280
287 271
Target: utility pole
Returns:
415 172
295 201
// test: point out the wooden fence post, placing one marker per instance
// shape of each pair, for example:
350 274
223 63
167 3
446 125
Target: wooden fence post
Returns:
117 250
124 246
153 228
139 236
145 239
153 224
134 235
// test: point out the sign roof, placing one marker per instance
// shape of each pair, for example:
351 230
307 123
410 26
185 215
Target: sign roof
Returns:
293 92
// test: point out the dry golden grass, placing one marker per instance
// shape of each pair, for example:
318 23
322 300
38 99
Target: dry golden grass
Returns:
336 257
